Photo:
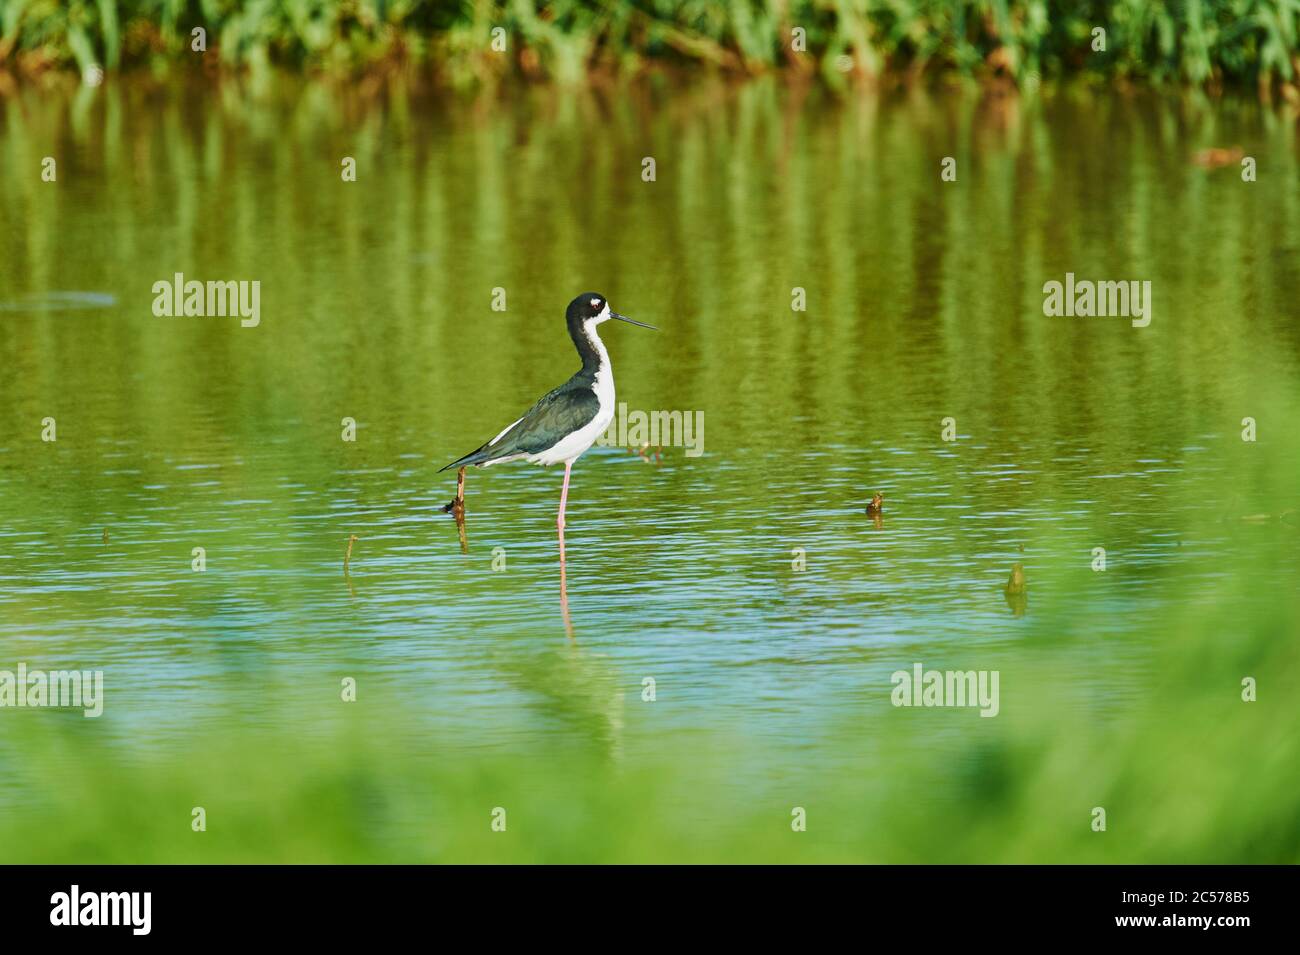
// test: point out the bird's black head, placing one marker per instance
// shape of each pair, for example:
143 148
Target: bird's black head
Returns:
591 308
585 307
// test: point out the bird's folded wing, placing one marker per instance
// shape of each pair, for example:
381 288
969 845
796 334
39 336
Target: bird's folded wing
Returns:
557 414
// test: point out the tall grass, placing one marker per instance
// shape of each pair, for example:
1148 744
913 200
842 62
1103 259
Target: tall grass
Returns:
1202 42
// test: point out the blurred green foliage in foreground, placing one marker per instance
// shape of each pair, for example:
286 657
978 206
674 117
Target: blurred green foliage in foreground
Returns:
1210 42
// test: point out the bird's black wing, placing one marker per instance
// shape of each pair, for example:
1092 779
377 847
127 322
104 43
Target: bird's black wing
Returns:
557 413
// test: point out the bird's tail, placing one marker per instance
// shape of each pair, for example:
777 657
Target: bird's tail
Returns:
477 456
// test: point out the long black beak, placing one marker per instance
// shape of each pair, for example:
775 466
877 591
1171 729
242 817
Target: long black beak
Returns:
624 318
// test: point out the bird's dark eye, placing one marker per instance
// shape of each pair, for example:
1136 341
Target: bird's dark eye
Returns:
596 306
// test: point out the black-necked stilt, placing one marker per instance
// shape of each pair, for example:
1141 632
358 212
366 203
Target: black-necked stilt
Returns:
565 422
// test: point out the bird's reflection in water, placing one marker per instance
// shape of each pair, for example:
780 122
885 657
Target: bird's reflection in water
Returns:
587 685
578 690
564 589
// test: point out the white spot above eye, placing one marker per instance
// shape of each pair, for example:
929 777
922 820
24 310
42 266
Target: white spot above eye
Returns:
595 302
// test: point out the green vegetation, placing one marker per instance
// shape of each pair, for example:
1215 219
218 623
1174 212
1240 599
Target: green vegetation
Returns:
1202 42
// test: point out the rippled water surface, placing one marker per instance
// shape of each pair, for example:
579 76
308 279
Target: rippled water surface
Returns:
924 302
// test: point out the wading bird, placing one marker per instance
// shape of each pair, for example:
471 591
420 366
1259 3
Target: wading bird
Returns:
565 422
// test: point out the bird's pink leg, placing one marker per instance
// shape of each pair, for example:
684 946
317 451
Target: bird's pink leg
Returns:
559 523
564 495
564 590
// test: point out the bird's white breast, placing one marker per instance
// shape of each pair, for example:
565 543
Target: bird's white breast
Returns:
573 445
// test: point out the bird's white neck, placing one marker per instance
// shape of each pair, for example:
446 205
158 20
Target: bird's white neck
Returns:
598 346
595 359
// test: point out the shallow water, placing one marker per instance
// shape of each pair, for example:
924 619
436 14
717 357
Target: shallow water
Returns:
924 302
